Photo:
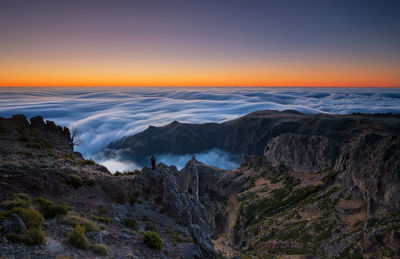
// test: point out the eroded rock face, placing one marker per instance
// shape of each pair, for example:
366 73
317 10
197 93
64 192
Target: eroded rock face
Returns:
369 164
38 160
203 247
163 184
301 152
372 166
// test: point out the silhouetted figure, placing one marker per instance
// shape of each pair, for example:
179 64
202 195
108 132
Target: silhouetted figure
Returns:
153 162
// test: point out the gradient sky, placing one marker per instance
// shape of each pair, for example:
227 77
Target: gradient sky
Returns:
199 43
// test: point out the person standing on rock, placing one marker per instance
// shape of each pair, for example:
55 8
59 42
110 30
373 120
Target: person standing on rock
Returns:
153 162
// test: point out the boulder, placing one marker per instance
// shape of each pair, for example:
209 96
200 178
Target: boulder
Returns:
202 247
14 224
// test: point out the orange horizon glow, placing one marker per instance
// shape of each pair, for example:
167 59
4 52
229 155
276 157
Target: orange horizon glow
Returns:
188 73
198 44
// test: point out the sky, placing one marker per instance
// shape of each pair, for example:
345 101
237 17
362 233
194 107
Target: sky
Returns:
200 43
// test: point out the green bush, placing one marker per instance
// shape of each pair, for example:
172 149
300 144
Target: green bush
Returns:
152 239
76 220
60 209
118 173
49 210
78 239
32 218
75 180
43 202
99 249
35 237
130 223
88 162
21 200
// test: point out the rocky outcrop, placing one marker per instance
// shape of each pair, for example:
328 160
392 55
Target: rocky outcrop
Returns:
37 159
202 248
368 164
13 224
302 152
163 185
371 165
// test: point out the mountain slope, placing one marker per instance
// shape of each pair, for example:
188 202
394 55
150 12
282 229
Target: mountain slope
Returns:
248 134
40 175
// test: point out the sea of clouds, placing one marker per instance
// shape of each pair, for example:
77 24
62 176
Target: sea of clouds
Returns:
106 114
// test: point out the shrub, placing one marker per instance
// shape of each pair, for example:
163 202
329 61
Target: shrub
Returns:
130 223
99 249
88 162
60 209
21 200
32 218
49 210
35 237
152 239
22 196
76 220
118 173
78 239
43 202
75 180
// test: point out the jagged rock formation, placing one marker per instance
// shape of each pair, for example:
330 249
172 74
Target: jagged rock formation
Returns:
322 185
302 152
357 144
318 186
37 159
248 134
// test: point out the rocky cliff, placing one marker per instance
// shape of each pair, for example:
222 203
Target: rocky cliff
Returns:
43 181
248 134
310 186
317 185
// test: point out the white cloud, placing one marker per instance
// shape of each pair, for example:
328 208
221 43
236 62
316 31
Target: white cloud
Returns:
107 114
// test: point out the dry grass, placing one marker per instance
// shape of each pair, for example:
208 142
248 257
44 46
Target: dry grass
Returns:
75 219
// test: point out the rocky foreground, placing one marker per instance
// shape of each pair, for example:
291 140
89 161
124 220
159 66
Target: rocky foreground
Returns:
312 186
47 189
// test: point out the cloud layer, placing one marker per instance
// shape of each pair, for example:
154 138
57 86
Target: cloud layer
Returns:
107 114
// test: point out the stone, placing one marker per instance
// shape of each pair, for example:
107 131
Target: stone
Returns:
38 122
301 152
17 225
202 239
